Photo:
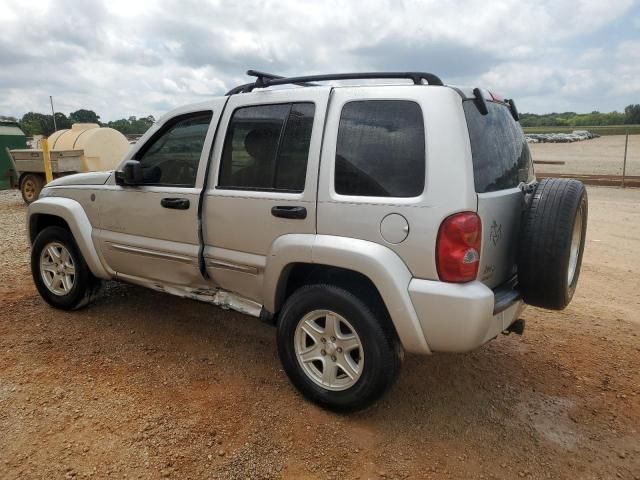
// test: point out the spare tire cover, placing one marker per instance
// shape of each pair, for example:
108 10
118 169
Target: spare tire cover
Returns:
552 237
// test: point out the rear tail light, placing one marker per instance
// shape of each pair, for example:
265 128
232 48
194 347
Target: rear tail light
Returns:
458 247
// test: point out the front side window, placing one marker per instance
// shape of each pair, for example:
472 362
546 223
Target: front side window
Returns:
267 148
174 156
381 149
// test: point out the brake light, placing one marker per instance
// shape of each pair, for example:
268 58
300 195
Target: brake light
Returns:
458 247
496 97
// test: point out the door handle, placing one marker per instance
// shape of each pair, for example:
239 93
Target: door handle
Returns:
286 211
176 203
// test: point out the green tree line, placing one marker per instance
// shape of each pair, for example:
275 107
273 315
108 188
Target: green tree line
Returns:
630 116
33 123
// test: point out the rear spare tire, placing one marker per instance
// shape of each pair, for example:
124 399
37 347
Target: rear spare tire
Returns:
552 242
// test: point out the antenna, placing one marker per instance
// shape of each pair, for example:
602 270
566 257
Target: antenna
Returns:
53 114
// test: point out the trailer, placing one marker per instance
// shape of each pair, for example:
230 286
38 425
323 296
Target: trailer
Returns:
28 166
85 147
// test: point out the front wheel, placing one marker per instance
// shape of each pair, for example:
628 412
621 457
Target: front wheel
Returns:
59 271
336 349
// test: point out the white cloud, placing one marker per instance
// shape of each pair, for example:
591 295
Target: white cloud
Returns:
122 57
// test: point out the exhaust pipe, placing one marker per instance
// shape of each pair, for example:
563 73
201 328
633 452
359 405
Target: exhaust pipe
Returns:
516 327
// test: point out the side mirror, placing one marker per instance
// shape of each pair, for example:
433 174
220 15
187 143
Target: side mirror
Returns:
131 173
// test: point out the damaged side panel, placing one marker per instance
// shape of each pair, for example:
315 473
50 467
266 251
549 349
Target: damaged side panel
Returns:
215 296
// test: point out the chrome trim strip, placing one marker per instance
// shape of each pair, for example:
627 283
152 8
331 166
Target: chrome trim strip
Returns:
153 253
214 263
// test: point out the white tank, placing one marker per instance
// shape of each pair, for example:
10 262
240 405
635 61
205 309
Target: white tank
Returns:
103 148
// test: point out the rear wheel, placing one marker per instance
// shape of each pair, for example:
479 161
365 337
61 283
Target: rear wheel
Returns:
30 187
59 271
335 349
552 243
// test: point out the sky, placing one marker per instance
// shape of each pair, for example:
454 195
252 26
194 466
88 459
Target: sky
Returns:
131 57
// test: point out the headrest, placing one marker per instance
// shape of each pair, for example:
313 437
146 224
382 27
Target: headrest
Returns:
260 141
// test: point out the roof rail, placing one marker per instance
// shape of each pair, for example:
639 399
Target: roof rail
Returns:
265 80
261 77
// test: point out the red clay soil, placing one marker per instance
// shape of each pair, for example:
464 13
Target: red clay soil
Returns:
145 385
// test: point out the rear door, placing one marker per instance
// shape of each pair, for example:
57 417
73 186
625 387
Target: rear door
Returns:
264 184
501 163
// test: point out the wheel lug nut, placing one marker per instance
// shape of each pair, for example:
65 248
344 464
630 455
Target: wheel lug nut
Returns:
323 352
333 357
339 349
333 339
324 340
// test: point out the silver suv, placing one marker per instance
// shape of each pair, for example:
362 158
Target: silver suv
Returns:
362 220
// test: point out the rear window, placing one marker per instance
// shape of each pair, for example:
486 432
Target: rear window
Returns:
381 149
501 157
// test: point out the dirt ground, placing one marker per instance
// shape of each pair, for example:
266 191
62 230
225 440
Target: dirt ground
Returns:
145 385
602 156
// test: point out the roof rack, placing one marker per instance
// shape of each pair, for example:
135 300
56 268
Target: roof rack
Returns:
260 82
265 80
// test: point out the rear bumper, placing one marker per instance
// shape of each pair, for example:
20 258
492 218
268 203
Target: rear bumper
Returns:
461 317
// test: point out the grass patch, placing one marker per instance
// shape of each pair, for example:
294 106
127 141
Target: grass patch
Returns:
604 130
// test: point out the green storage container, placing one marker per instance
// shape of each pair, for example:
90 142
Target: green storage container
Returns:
10 137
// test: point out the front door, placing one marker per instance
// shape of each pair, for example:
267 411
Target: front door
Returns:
264 184
149 232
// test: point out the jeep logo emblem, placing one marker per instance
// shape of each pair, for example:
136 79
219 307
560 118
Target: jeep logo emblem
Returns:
495 233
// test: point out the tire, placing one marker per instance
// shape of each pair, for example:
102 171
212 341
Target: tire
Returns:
71 295
30 187
552 241
377 358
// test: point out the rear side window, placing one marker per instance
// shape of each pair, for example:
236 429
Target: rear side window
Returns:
267 148
501 157
381 149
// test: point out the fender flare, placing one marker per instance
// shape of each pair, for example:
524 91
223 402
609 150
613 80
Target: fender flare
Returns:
381 265
74 215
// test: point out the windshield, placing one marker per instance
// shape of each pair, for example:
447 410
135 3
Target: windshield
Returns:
501 157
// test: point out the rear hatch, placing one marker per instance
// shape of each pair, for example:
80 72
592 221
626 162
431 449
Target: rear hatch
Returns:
501 164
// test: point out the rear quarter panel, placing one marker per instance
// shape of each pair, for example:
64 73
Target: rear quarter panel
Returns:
449 184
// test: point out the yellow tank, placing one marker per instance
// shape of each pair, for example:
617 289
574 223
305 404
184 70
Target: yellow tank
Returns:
103 148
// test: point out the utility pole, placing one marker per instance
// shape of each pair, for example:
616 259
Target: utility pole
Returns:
53 114
624 164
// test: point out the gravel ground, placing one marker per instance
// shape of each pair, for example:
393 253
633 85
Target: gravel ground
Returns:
602 156
145 385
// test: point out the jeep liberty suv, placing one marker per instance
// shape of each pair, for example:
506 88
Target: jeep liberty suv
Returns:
362 220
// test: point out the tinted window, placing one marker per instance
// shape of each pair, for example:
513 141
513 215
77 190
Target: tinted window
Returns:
381 149
501 157
173 158
291 167
267 148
